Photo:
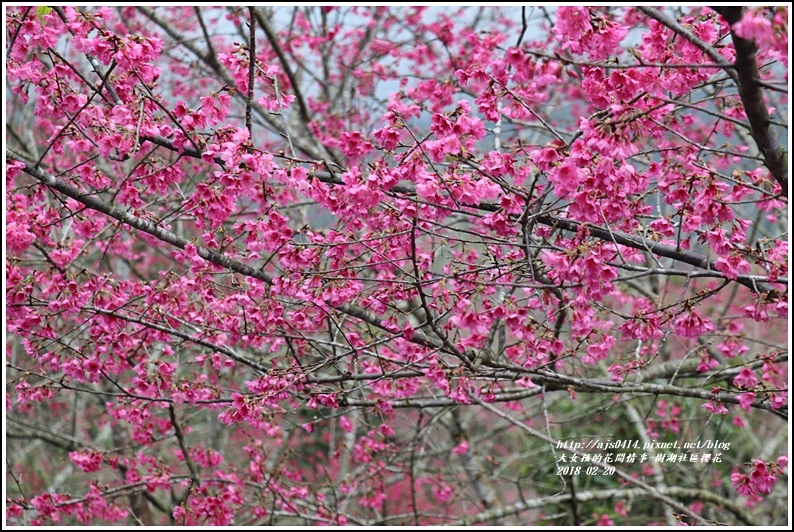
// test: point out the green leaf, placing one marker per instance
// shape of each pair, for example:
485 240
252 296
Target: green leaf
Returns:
43 11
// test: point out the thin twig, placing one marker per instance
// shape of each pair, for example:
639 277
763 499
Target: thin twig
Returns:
180 437
523 25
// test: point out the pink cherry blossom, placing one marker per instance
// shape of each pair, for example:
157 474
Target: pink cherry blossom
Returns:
745 379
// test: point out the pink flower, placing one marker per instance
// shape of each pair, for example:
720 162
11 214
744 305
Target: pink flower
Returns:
742 484
88 461
461 448
598 351
746 400
14 510
604 520
388 137
580 31
715 408
572 25
353 145
755 27
443 493
179 514
745 379
733 266
761 479
19 237
565 178
526 382
707 363
345 424
778 400
692 325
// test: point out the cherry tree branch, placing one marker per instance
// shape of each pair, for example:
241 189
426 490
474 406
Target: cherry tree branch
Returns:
188 338
559 382
97 204
167 236
745 74
705 47
687 368
194 477
62 441
314 150
92 60
749 83
418 337
617 237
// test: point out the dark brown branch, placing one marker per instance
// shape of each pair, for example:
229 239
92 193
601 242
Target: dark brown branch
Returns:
745 73
559 382
705 47
186 337
523 26
61 441
632 241
663 250
749 82
251 69
430 319
182 446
